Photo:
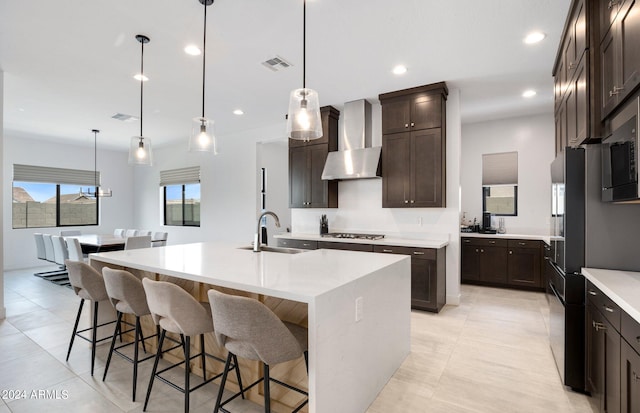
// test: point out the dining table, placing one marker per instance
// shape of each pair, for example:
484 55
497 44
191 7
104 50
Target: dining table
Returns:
91 243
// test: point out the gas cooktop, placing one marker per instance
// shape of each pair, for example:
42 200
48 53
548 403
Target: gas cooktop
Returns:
348 235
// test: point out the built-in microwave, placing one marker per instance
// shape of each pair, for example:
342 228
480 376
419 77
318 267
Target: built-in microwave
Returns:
620 156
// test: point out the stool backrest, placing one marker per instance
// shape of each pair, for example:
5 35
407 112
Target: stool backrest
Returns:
132 243
84 277
249 324
122 286
167 300
40 252
74 249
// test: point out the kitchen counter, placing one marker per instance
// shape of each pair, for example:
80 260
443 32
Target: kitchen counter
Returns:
545 238
398 242
623 287
330 283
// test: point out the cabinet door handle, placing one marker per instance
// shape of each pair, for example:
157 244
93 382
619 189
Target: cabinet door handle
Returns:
413 124
610 6
306 244
481 250
406 125
522 243
599 326
572 65
606 308
635 376
510 252
466 241
638 339
387 250
593 292
418 253
412 201
477 250
406 201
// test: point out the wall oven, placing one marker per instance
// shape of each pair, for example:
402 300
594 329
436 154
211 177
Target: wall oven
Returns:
620 156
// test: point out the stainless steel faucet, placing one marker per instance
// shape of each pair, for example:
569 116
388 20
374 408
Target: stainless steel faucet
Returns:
256 237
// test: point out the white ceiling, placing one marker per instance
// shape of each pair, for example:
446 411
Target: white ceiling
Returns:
69 63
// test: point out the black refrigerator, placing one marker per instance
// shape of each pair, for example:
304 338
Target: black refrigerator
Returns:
565 284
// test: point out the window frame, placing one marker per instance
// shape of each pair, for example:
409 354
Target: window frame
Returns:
164 205
487 188
57 223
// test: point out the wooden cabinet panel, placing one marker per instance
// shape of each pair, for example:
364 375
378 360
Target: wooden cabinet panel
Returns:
607 73
493 265
427 186
524 266
348 246
426 112
581 88
298 243
470 268
630 379
396 156
580 31
396 116
298 177
561 129
318 189
570 110
607 10
629 42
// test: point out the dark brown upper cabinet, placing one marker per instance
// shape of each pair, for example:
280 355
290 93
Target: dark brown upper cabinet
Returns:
306 162
620 56
414 147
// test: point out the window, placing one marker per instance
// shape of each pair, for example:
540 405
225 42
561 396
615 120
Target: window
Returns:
181 189
500 183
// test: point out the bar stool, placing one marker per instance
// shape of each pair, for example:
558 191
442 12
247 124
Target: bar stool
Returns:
176 311
127 295
88 284
249 329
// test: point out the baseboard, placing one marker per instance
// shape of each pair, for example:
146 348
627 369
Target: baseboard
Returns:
453 299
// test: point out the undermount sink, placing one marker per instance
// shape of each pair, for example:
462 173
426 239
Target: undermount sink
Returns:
282 250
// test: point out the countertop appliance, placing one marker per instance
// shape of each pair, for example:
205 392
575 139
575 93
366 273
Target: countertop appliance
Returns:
620 156
349 235
566 286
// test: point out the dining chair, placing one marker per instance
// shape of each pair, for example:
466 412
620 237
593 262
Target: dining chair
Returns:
141 232
60 252
42 255
132 243
48 248
130 233
118 232
159 239
74 249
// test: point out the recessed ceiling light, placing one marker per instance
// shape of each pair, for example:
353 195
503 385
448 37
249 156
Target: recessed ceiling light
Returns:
193 50
238 112
528 93
400 70
534 37
138 76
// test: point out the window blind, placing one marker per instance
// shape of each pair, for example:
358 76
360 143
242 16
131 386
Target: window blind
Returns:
190 175
500 168
31 173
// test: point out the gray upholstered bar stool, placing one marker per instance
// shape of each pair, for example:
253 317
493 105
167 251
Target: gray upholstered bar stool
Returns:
88 284
176 311
127 296
249 329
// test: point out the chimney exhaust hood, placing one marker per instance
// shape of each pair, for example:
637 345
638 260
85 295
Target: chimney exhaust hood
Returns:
357 160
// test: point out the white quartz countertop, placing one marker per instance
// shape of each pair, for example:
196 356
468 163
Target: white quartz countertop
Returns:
299 277
545 238
623 287
398 242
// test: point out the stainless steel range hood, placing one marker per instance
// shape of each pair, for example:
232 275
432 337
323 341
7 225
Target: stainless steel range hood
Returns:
357 159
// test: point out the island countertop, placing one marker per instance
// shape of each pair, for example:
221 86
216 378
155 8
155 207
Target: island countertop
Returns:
299 277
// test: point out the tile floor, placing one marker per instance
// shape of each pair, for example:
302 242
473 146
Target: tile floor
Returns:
490 354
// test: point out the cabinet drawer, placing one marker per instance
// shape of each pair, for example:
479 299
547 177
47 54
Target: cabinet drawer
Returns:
630 330
604 304
485 242
298 243
349 246
520 243
423 253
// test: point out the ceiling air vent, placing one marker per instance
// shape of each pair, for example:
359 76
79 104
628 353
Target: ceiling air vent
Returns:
124 118
276 63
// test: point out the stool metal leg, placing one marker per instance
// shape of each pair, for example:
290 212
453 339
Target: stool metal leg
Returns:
135 357
223 382
267 392
306 361
203 357
155 368
94 330
187 371
237 367
113 343
75 328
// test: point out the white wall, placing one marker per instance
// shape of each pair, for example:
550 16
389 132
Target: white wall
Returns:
533 138
360 205
228 188
274 157
3 311
115 212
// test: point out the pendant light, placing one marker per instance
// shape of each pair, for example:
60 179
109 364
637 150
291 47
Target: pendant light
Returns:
140 148
97 190
303 120
202 137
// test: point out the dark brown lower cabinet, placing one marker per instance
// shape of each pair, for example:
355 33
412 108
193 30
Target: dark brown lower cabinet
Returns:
502 262
630 380
603 362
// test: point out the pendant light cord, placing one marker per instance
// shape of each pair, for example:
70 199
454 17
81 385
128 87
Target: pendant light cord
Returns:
141 83
204 53
95 159
304 42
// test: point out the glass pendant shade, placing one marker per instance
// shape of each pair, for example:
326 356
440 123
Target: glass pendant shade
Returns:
202 136
303 120
140 152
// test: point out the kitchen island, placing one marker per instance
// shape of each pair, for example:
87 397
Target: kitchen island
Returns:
357 306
